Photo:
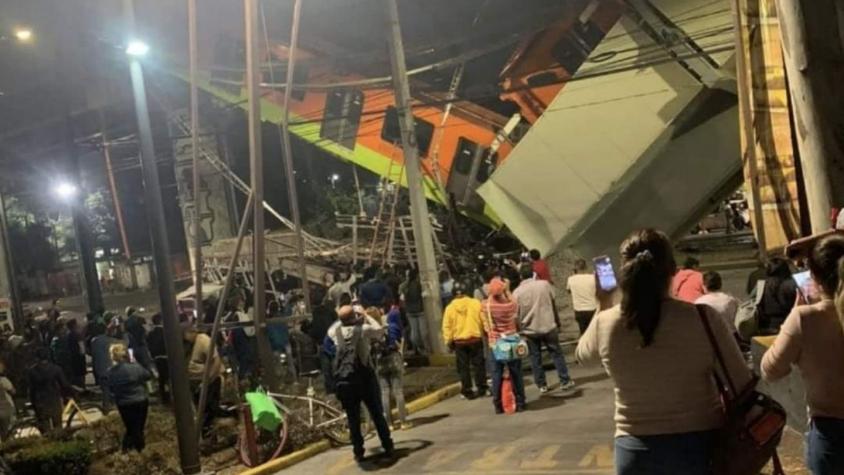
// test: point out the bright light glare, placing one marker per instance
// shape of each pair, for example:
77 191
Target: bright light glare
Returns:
66 191
23 34
335 177
137 48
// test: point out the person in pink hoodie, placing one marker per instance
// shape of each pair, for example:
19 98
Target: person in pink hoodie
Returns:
687 284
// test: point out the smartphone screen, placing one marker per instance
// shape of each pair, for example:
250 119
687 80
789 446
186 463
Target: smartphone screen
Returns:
805 284
605 273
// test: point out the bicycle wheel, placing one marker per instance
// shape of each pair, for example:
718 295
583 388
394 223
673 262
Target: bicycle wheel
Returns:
267 445
335 425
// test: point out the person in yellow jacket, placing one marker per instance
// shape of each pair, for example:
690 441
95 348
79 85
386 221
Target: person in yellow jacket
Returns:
463 334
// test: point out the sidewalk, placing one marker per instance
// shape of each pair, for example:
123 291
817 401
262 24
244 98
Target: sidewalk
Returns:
554 436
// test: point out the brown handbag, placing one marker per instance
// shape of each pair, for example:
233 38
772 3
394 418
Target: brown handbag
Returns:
755 422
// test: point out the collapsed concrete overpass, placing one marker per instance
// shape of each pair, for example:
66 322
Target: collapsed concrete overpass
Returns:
647 134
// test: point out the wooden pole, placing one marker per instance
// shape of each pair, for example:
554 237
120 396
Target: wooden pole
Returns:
221 305
814 60
194 146
745 92
253 79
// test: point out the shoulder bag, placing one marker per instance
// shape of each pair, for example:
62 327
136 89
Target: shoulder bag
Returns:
508 347
754 421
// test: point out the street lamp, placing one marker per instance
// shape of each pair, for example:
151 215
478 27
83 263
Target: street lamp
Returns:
66 191
334 178
24 35
137 48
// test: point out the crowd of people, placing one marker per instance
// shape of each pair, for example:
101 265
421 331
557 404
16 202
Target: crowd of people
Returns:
367 322
652 327
380 322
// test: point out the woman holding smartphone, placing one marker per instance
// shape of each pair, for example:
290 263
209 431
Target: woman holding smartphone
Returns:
811 338
656 350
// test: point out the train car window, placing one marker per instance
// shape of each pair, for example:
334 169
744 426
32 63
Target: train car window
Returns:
573 48
341 120
487 167
391 132
464 155
279 75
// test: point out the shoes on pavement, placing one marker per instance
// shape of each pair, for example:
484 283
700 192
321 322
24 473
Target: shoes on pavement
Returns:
359 456
568 386
521 408
499 410
467 397
543 389
405 426
484 393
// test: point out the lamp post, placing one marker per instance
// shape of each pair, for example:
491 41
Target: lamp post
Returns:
182 406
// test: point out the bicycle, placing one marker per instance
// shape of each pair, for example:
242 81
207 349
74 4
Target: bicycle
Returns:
321 415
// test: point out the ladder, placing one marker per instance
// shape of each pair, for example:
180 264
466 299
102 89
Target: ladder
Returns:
383 234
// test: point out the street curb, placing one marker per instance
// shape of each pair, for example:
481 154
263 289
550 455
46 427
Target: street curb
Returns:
418 404
290 459
428 400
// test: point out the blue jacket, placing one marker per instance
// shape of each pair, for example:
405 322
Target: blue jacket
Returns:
127 383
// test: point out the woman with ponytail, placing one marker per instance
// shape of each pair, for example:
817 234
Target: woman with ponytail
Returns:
812 339
655 349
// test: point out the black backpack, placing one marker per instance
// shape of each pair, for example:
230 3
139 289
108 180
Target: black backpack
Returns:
347 361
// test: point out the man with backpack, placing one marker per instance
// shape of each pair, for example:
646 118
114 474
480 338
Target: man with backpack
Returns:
350 341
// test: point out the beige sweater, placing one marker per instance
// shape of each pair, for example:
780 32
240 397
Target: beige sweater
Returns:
811 338
667 387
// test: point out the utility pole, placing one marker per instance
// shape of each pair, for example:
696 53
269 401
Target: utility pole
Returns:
253 78
81 227
194 145
813 46
186 431
14 292
292 195
422 232
66 79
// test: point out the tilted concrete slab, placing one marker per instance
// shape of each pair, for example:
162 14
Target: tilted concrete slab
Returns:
635 140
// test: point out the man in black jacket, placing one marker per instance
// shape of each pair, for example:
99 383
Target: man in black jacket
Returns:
47 386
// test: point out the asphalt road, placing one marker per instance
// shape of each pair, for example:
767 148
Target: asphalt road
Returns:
558 435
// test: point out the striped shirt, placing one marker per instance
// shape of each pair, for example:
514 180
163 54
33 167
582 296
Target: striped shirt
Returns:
502 317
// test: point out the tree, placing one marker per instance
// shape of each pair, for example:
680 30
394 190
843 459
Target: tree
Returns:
98 209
